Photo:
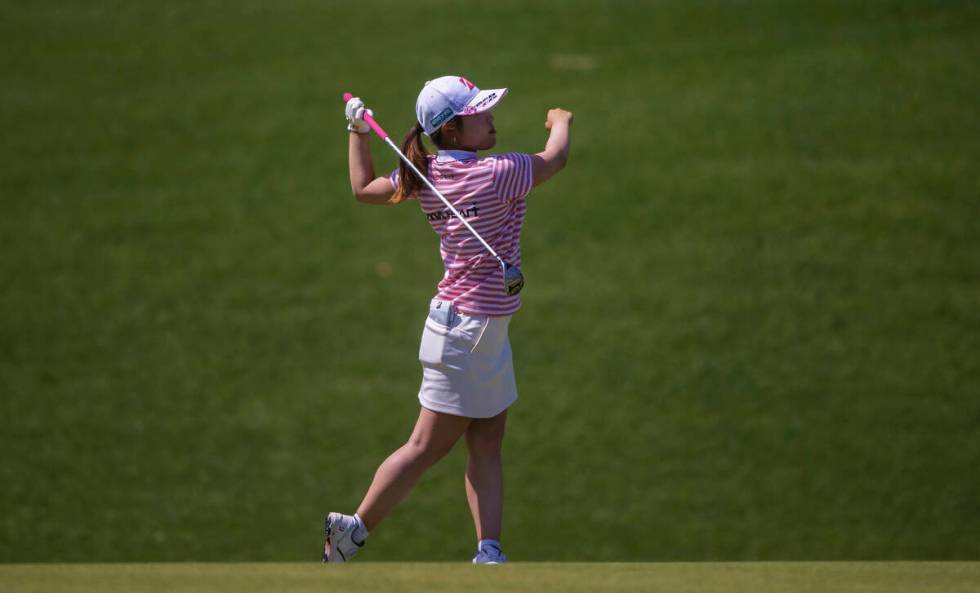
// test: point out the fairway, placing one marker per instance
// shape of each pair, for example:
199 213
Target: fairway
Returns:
378 577
750 330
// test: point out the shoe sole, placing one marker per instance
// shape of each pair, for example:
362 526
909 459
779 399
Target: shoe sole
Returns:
327 532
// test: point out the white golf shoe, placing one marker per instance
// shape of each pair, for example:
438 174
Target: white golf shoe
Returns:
339 545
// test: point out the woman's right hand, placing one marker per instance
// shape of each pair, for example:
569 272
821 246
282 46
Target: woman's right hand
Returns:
555 154
557 115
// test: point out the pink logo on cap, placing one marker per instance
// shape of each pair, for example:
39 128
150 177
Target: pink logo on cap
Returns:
469 85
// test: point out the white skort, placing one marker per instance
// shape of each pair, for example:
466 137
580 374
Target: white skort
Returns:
467 369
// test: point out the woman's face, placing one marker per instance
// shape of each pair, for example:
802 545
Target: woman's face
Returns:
477 133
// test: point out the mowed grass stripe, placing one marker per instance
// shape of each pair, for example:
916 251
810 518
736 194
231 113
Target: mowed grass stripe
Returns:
747 577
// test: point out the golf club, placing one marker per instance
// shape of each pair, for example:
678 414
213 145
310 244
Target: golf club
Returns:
513 278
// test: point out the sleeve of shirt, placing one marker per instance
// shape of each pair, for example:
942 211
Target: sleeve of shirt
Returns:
512 176
393 176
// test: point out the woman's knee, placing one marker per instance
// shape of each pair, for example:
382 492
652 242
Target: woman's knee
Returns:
426 450
434 436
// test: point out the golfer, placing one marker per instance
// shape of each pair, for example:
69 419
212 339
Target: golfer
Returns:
467 373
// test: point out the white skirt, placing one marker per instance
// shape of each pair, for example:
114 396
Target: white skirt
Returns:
467 368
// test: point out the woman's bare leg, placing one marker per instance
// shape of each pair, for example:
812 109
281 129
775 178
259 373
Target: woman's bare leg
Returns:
484 474
434 436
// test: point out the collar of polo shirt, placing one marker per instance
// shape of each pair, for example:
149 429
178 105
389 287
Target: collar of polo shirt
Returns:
445 156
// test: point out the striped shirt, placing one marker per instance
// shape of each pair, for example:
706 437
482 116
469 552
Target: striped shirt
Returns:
490 194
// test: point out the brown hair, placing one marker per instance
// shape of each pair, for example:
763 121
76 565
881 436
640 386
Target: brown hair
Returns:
414 149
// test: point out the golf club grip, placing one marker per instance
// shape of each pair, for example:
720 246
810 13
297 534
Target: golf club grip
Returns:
370 120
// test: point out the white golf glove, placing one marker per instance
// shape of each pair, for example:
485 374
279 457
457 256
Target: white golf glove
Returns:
355 116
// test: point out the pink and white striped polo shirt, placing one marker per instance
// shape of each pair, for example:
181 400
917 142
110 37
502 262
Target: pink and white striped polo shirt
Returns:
490 194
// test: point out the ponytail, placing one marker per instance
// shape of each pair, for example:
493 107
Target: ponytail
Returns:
408 183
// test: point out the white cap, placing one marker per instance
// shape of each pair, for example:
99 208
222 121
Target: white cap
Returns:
448 96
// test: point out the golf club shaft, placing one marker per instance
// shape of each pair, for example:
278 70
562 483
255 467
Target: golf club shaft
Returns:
384 136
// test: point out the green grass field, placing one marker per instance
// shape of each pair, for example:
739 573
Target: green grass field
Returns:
565 577
751 326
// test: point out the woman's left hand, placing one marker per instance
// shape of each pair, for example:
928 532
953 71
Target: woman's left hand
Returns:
355 110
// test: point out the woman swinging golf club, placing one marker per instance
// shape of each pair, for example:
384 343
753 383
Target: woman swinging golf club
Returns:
476 206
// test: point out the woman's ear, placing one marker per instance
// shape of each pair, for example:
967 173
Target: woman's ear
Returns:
452 127
448 134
